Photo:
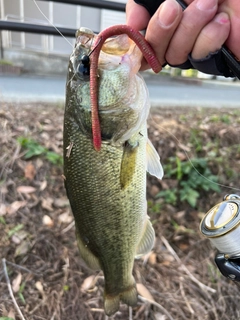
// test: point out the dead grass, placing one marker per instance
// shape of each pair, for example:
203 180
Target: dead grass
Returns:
49 281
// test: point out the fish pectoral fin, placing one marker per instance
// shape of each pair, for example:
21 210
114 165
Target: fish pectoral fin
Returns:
147 241
128 164
90 259
154 166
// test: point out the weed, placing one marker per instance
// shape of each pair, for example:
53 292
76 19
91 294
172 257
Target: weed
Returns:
225 118
169 195
33 148
20 293
15 229
154 207
196 139
2 220
193 177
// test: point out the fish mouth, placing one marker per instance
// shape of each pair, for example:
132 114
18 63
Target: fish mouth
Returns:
114 52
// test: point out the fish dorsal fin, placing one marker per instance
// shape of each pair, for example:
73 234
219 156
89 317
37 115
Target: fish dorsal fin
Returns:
147 240
154 166
128 164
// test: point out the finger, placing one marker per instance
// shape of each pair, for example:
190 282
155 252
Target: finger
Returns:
212 37
161 28
194 19
233 10
136 16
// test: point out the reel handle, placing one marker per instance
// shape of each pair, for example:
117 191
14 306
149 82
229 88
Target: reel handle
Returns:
229 268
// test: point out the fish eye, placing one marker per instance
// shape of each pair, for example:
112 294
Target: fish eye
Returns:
83 68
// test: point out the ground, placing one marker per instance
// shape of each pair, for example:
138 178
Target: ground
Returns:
38 252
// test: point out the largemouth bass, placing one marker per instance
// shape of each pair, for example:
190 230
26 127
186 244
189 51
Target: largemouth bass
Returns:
107 188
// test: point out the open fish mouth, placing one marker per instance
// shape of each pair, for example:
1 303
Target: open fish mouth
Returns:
115 51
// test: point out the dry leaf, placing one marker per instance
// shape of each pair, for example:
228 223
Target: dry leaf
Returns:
43 185
88 283
152 259
3 209
47 221
47 204
15 206
167 259
29 171
11 314
181 155
39 286
144 292
159 316
26 189
17 282
19 236
65 217
3 189
22 248
61 202
184 147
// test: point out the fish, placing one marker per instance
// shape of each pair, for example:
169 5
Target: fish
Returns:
107 188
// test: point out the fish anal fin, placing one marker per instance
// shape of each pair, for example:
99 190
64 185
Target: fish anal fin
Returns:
147 241
89 258
128 164
154 166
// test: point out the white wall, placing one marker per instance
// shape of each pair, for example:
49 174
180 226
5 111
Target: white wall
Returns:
62 15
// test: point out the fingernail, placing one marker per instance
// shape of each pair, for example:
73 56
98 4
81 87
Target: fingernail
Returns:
205 5
222 18
168 13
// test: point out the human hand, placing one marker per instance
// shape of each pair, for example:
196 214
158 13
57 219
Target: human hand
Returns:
202 28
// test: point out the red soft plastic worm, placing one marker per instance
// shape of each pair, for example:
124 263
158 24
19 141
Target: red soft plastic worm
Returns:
147 52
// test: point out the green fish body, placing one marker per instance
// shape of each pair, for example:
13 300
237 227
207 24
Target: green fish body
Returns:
107 188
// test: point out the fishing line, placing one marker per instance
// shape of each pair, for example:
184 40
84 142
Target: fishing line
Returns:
52 23
171 134
190 161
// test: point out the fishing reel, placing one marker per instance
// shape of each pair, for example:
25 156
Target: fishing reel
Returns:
221 225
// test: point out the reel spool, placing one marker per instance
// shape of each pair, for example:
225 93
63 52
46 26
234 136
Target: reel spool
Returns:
221 225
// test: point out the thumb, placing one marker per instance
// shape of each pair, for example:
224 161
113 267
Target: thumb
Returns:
136 16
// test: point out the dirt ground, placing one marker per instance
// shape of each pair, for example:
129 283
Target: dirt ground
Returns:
40 269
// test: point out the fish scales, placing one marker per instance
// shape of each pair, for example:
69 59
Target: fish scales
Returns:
107 189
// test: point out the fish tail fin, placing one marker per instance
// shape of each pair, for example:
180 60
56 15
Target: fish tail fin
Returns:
111 304
128 296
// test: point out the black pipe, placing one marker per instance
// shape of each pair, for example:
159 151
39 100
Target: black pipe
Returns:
100 4
35 28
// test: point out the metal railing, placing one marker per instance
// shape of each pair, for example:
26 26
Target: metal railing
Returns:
67 32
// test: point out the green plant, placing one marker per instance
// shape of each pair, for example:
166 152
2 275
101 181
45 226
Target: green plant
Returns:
33 148
15 229
154 207
20 293
5 63
169 195
196 139
2 220
193 177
